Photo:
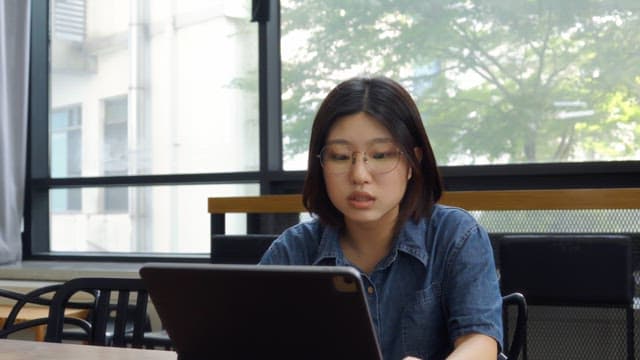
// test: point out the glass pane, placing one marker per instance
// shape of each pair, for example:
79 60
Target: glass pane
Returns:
65 200
179 77
66 141
496 82
116 137
154 219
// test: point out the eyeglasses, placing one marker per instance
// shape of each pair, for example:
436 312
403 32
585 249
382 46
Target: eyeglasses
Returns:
379 158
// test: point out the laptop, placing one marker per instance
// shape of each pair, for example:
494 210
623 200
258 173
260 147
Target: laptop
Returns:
224 311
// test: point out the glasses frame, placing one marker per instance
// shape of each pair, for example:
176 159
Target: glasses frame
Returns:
365 160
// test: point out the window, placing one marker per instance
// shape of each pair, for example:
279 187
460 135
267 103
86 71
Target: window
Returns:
168 92
497 82
154 106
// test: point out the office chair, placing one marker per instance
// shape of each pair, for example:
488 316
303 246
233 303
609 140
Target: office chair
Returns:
513 348
579 290
239 249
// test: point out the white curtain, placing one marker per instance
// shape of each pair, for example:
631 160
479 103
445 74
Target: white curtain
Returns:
14 75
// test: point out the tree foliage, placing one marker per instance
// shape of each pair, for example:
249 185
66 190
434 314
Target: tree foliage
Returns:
495 80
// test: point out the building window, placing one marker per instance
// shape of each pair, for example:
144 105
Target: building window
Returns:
115 152
69 20
66 155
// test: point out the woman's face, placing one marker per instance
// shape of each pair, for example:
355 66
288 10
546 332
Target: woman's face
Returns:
365 193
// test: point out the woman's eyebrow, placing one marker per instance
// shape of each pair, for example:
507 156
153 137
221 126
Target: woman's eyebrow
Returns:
338 141
372 141
380 140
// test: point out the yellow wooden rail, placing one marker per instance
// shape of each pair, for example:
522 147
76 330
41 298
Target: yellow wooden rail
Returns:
561 199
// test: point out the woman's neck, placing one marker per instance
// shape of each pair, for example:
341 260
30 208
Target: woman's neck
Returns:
365 245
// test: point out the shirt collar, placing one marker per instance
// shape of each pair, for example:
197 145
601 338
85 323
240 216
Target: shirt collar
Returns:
329 248
410 240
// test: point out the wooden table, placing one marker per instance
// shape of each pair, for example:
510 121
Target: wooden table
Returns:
36 312
34 350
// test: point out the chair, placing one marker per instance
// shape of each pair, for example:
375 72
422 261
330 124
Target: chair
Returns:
13 322
159 338
579 289
78 334
120 324
239 249
99 292
513 348
101 289
34 297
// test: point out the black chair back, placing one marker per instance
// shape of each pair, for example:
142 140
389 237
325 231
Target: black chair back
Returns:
239 249
104 310
579 290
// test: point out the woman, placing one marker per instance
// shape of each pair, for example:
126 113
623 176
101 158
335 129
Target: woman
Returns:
373 184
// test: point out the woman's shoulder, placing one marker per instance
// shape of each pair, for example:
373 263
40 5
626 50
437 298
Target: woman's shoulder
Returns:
296 245
453 226
451 215
302 232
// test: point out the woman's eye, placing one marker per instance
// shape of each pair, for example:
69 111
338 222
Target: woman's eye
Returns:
339 157
382 155
379 155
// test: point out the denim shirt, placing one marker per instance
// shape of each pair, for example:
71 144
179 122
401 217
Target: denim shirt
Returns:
437 283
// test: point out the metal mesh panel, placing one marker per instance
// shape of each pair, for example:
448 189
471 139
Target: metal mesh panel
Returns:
567 333
562 221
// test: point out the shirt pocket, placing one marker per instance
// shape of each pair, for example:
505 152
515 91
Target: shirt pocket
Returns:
424 332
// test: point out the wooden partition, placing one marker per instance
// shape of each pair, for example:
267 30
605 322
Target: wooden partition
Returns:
561 199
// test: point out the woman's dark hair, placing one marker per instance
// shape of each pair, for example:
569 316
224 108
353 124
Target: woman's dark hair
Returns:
390 104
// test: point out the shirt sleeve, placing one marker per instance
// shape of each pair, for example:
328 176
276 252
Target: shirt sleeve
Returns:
297 245
471 287
276 254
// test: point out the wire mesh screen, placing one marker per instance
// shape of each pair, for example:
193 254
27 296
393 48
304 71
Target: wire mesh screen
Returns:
562 221
567 333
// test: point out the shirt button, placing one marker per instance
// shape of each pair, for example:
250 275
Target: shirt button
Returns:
370 290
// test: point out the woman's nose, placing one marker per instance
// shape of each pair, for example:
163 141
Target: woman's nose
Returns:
359 171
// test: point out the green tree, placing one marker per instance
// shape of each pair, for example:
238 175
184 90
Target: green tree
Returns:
495 80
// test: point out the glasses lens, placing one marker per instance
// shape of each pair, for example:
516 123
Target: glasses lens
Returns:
336 158
382 157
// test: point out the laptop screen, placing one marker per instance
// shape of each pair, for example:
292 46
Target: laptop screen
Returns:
251 311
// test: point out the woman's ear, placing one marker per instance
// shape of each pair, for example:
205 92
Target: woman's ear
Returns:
418 152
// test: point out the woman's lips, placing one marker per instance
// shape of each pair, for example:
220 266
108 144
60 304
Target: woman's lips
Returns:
361 200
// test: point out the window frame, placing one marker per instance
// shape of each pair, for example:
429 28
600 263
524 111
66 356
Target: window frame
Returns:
271 177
